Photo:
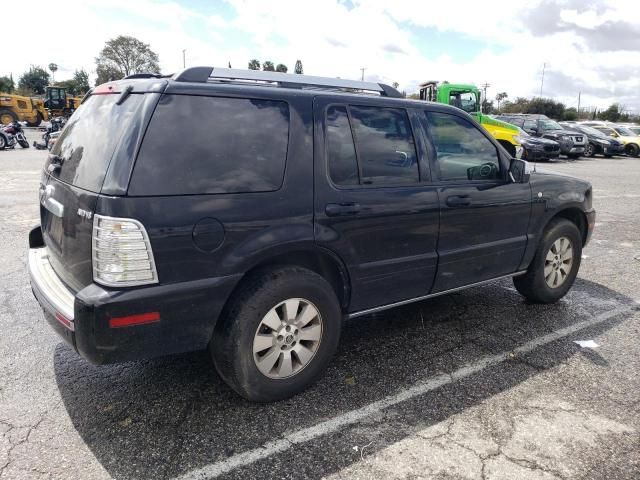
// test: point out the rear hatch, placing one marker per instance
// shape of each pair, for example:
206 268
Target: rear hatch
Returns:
74 175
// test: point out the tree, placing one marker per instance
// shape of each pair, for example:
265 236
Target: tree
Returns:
254 65
282 68
298 67
395 85
267 66
126 56
487 106
7 85
81 79
570 114
611 114
35 80
500 97
106 74
54 68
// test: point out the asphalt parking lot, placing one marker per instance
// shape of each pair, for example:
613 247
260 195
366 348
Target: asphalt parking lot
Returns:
474 385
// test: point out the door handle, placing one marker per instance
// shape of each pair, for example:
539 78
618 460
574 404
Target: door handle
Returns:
458 201
338 209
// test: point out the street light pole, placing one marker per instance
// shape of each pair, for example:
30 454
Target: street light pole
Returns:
362 70
544 65
184 61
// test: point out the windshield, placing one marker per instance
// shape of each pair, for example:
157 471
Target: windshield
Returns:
547 124
589 131
624 131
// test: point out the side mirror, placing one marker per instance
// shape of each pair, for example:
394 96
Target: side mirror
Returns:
519 171
613 134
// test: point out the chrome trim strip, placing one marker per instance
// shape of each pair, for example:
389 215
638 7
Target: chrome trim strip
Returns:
431 295
54 206
52 292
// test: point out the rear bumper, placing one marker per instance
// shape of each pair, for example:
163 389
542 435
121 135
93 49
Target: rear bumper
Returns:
187 313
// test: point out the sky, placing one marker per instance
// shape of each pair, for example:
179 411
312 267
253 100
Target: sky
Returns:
590 47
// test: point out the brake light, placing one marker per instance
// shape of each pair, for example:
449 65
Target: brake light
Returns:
121 252
140 319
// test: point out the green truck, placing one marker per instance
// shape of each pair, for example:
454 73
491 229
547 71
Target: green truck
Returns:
467 98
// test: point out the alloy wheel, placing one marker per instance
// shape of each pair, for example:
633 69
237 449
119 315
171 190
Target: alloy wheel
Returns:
558 262
287 338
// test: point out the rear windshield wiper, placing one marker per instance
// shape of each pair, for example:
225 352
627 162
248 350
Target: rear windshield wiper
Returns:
124 95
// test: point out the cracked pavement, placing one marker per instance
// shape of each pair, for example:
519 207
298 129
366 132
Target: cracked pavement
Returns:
551 411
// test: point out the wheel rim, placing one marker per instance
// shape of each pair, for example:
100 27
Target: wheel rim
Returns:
589 150
5 118
287 338
1 142
558 262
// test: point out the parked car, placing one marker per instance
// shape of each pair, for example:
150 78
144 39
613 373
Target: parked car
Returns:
538 148
598 142
571 143
296 203
627 137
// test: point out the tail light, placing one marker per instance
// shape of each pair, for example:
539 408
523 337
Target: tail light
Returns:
122 255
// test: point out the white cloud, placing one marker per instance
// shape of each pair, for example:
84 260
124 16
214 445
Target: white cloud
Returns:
509 42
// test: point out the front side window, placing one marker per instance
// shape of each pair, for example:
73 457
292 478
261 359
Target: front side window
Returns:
462 151
466 101
385 145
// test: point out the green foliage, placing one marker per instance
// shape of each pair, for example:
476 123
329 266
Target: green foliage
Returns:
298 67
282 68
267 66
35 80
254 64
78 85
570 114
612 114
500 97
124 55
487 107
544 106
7 85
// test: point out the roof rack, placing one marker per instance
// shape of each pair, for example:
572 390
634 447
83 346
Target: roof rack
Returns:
284 80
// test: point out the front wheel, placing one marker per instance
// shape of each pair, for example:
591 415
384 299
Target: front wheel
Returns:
278 334
555 264
3 142
589 150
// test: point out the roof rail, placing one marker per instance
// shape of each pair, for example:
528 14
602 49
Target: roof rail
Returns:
286 80
145 75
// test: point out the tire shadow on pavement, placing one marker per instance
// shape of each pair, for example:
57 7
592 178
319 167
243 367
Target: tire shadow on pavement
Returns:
166 417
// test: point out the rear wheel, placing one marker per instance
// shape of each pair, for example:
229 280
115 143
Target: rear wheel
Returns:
37 122
278 334
3 142
7 116
555 265
632 150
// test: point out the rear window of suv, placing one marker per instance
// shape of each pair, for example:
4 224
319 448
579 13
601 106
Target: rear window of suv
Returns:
89 140
206 145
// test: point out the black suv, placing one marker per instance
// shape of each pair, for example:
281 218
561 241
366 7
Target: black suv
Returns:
572 143
598 142
251 212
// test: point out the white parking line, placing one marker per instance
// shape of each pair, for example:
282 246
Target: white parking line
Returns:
306 434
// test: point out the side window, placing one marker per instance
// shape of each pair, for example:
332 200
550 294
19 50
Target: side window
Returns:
530 124
231 145
386 149
341 152
462 151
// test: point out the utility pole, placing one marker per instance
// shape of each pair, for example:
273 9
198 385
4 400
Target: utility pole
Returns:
544 65
184 58
362 70
579 93
484 88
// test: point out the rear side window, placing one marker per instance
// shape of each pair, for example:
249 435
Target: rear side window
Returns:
198 145
341 152
88 141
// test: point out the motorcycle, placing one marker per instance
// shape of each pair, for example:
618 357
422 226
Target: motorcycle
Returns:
7 140
15 129
52 131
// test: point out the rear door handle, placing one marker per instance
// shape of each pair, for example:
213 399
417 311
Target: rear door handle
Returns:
338 209
459 201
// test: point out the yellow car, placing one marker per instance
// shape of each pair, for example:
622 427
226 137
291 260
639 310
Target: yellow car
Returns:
630 139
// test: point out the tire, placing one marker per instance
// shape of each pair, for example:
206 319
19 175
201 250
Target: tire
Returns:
23 143
37 122
533 285
3 142
590 150
243 321
7 116
631 150
573 156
